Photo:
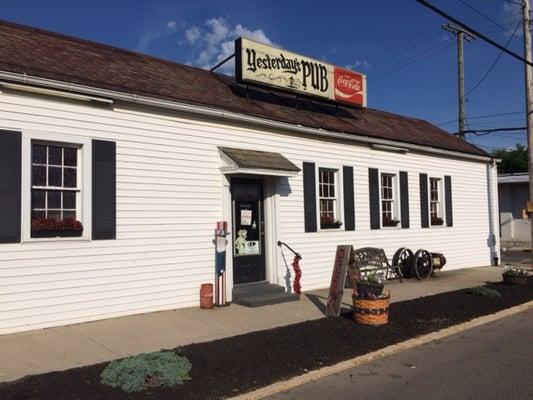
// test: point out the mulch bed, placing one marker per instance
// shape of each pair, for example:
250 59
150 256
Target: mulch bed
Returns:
231 366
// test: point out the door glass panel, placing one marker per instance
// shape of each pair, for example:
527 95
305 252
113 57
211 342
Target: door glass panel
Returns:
247 228
247 220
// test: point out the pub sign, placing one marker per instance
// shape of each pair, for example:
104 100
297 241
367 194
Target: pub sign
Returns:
267 65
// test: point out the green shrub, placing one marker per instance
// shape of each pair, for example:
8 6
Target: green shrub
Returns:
135 373
485 292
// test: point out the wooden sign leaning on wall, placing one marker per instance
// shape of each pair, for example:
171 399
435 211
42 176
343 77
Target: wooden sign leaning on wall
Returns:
345 274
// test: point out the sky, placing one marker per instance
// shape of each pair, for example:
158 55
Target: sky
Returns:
410 61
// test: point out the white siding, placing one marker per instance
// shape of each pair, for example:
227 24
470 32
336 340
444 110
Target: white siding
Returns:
169 195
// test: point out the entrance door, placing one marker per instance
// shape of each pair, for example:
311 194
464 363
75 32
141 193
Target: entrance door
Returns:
248 231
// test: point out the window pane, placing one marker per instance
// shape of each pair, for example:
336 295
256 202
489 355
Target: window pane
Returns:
70 177
54 176
38 176
38 199
55 214
54 199
55 156
38 154
38 214
71 156
69 214
69 200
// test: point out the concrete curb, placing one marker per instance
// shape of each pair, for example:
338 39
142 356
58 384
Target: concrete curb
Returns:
385 352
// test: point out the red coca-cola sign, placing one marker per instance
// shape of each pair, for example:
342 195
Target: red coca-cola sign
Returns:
349 86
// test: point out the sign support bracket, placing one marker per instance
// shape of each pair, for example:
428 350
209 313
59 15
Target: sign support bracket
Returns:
224 61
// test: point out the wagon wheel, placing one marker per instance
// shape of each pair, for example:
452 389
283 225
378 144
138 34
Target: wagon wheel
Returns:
422 264
401 261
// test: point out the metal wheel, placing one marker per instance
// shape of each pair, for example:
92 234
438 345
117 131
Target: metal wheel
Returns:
422 264
401 261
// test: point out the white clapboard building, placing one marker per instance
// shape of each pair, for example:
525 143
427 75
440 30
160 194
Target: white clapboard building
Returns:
116 166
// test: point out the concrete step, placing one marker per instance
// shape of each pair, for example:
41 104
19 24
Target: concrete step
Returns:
261 294
256 287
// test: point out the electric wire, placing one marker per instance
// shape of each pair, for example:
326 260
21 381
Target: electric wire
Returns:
480 81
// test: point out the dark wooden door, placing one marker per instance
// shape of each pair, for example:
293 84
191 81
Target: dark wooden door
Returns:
248 233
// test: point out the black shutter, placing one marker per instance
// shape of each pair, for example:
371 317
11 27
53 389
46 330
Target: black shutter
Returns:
349 210
448 200
104 207
373 188
424 211
404 199
309 197
10 175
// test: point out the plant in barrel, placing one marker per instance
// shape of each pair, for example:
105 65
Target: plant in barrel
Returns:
370 286
515 276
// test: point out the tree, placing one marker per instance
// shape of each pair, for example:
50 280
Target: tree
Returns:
512 160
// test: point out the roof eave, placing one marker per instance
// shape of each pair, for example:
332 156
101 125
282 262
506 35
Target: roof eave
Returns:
228 115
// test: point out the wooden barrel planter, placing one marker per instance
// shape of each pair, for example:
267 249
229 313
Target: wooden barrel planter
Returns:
371 311
206 295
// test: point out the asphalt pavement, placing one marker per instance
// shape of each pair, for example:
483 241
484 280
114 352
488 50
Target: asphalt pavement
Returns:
493 361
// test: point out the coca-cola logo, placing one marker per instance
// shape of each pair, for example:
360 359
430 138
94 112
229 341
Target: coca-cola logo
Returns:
348 82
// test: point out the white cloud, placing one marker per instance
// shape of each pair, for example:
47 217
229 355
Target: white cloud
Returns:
192 34
214 41
150 37
359 65
510 16
172 26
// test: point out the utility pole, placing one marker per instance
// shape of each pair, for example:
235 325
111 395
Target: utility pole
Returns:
461 34
529 105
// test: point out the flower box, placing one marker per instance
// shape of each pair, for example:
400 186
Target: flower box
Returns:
329 223
389 222
437 221
46 228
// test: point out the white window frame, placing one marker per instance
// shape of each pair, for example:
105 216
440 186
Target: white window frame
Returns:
339 209
395 199
84 183
440 203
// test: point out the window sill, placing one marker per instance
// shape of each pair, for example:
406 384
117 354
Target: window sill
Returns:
58 239
391 228
340 228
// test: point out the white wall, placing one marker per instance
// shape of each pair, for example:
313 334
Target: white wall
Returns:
169 196
513 201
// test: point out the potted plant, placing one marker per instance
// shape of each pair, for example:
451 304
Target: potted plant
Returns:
329 223
47 227
388 221
436 221
370 286
515 276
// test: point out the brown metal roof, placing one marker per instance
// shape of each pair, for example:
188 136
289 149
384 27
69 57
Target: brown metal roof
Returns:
253 159
50 55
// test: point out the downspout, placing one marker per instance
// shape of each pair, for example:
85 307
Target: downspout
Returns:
228 116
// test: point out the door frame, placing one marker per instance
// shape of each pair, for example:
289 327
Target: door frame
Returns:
271 220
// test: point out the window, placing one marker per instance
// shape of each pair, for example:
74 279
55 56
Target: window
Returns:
388 200
435 201
327 194
54 188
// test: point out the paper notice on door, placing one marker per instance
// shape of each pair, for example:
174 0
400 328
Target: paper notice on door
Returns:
252 247
246 217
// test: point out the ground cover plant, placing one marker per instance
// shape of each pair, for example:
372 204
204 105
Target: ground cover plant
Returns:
139 372
239 364
484 292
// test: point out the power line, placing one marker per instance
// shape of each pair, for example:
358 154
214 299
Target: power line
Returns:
495 61
475 32
483 132
483 15
439 50
484 116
